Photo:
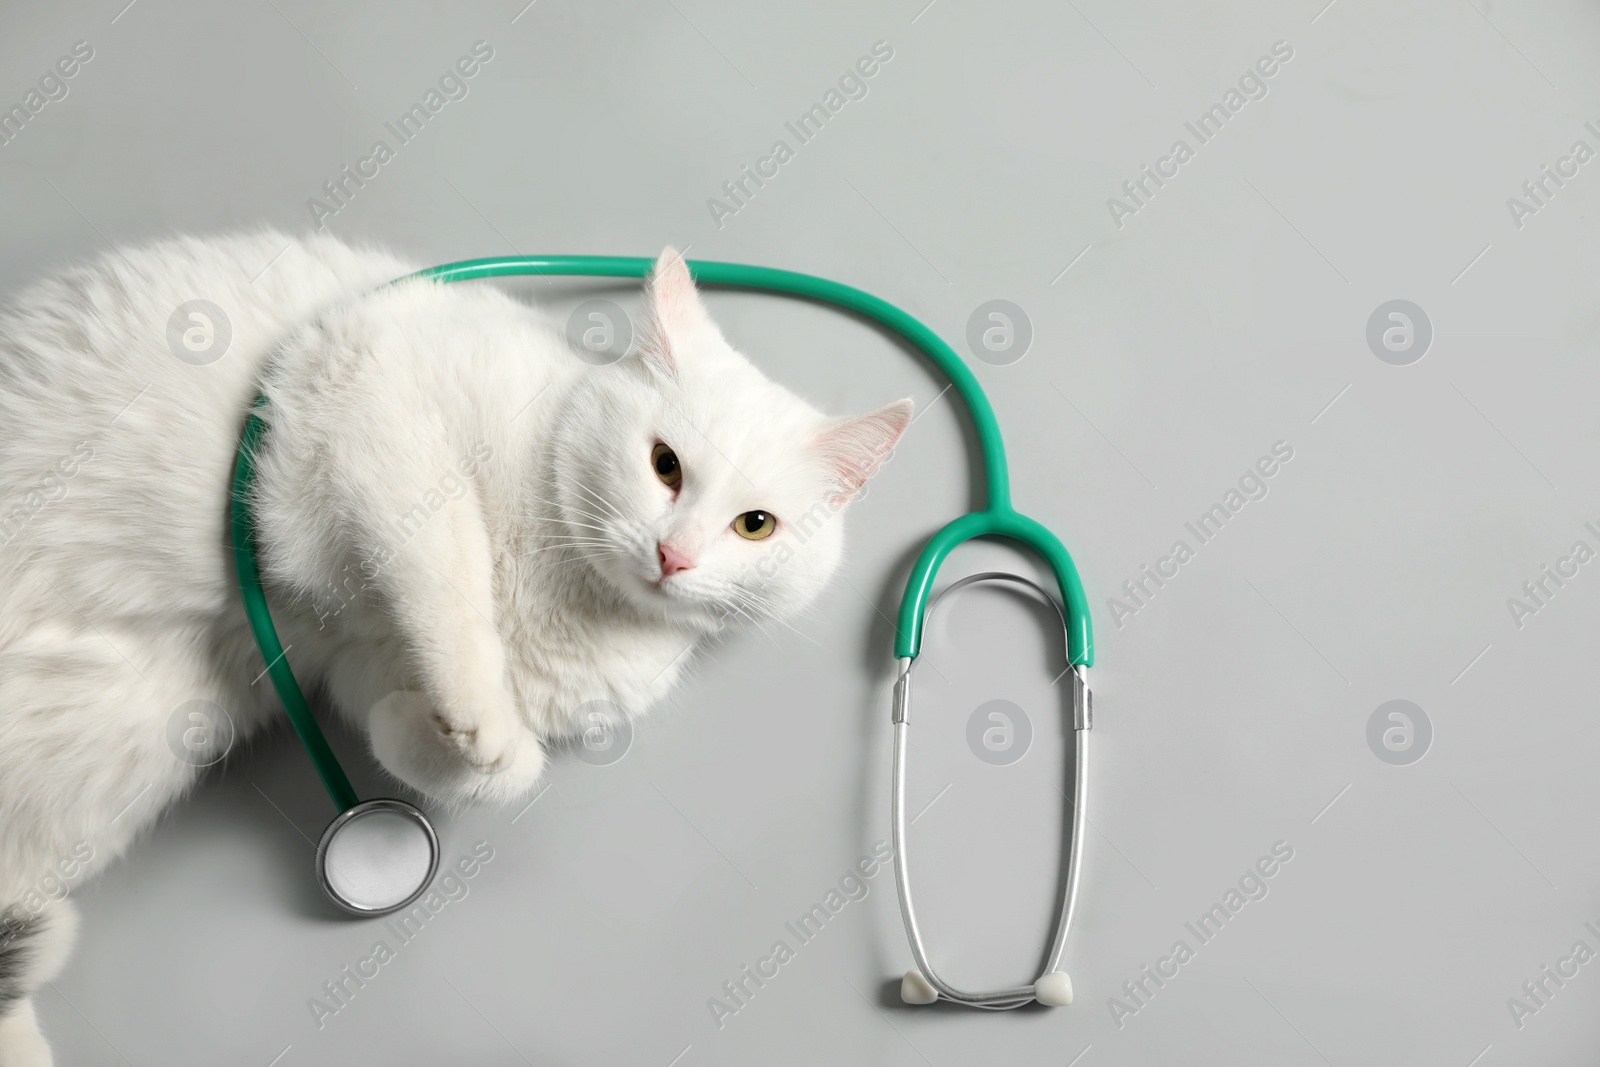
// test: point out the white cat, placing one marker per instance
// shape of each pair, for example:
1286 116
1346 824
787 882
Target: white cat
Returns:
466 532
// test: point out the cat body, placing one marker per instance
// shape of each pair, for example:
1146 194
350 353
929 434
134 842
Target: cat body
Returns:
467 534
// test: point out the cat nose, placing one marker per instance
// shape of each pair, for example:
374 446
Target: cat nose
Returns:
672 560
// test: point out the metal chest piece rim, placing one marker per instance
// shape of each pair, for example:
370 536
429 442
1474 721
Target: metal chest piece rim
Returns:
377 857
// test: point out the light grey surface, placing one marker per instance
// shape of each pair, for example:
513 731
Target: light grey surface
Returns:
1229 313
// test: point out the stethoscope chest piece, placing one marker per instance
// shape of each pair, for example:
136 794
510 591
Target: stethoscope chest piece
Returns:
377 857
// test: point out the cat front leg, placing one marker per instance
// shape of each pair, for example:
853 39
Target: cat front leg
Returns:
454 732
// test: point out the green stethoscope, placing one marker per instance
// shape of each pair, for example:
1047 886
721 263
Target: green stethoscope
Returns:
378 856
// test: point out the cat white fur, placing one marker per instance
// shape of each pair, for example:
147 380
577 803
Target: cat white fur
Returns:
460 530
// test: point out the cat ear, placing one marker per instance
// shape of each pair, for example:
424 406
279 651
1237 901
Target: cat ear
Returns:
674 317
853 449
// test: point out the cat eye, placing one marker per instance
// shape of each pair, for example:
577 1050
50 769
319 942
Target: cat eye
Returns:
665 462
754 525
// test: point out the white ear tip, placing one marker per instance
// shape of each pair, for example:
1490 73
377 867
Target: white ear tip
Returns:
1053 989
914 989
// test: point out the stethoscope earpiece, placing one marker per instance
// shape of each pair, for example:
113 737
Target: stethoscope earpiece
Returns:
914 989
1053 989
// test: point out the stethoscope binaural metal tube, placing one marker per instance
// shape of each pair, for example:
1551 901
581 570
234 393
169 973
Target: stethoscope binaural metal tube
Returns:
1053 987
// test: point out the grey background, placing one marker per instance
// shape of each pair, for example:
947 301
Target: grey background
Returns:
1228 314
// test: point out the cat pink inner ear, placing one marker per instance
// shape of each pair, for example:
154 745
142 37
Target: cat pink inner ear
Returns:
674 317
854 449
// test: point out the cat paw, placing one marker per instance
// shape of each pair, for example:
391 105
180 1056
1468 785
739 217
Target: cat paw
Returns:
487 742
490 762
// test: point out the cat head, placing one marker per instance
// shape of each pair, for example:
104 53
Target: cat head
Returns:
695 487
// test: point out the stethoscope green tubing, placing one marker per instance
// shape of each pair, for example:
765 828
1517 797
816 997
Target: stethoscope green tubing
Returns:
266 634
998 519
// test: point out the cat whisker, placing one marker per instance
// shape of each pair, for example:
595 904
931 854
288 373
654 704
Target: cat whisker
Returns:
737 610
586 525
754 600
602 501
599 497
568 535
565 506
593 550
568 563
795 630
573 561
564 509
758 623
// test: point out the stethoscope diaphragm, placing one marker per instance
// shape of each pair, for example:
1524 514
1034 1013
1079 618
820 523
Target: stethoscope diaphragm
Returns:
377 857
